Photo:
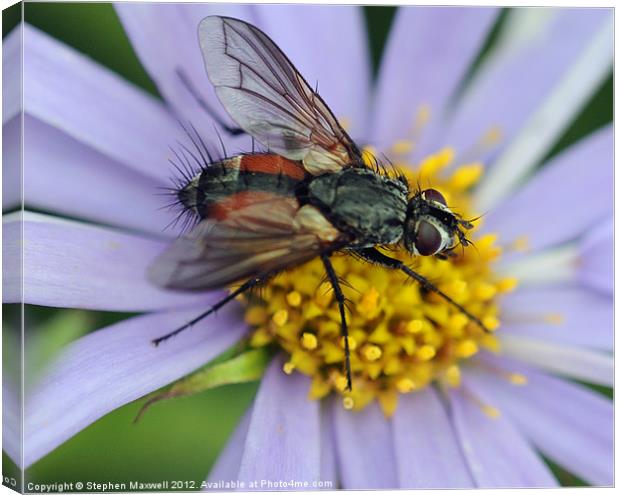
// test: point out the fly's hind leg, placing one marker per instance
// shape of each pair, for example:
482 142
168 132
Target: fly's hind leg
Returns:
333 279
246 286
233 131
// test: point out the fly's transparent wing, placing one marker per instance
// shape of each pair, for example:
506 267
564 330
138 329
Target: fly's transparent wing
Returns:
263 92
266 236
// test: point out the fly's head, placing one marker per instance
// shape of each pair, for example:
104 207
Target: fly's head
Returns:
431 228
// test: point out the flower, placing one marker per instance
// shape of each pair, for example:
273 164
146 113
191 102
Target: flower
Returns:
95 147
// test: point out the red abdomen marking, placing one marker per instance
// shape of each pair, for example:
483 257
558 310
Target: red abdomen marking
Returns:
238 201
271 164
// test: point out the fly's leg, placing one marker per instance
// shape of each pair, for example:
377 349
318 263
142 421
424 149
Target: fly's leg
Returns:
253 282
233 131
373 256
333 278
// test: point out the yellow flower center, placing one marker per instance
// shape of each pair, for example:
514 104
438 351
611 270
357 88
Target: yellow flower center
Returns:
401 338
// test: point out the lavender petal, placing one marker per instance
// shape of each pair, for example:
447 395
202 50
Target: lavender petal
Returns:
498 456
596 259
88 184
116 365
426 446
95 106
11 77
284 439
428 52
566 315
569 423
227 466
73 265
512 85
12 164
585 166
365 448
165 38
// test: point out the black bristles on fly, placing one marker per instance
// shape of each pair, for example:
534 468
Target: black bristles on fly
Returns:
188 163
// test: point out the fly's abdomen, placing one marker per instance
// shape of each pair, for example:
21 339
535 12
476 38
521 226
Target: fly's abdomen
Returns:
239 181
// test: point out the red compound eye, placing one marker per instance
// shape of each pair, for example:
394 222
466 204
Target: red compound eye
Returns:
434 195
427 239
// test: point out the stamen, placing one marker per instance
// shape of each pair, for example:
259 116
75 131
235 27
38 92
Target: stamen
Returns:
288 367
309 341
423 115
489 410
519 245
405 385
466 176
490 139
347 403
402 147
533 319
280 317
512 377
372 352
452 376
293 298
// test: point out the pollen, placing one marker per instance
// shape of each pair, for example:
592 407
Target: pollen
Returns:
554 318
293 298
402 147
372 352
280 317
401 338
517 379
309 341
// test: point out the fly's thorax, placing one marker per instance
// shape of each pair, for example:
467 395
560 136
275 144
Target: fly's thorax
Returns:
430 227
362 203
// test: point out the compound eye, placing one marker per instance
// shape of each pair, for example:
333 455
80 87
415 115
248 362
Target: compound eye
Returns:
434 195
427 239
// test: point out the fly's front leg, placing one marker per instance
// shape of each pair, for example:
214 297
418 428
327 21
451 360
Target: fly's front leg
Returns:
333 278
377 257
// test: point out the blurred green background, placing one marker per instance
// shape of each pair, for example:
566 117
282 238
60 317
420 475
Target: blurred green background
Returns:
177 439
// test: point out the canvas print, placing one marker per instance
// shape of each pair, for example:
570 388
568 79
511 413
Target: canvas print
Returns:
305 247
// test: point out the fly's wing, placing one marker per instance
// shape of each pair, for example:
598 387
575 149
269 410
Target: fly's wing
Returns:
263 92
266 236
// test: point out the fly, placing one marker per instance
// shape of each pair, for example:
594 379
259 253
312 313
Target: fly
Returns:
310 195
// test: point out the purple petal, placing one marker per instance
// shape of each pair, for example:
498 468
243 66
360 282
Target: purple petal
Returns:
115 365
11 74
227 466
596 262
567 315
365 448
428 52
165 38
328 45
573 362
284 437
511 86
12 164
95 106
66 176
584 167
569 423
426 446
498 456
72 265
329 465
